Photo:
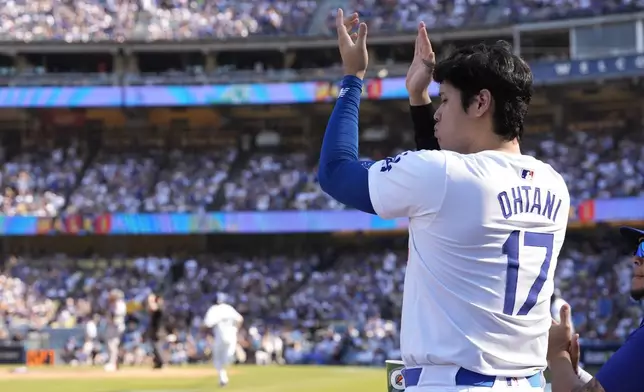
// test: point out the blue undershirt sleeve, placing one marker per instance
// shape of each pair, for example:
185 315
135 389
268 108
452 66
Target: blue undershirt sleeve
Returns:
340 172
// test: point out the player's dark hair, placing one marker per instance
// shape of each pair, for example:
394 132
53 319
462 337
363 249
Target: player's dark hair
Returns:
495 68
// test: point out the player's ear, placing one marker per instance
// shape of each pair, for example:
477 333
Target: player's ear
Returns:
482 102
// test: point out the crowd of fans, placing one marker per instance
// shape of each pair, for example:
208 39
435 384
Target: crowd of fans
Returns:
337 307
115 182
360 285
268 182
37 182
190 182
119 20
595 278
404 15
594 164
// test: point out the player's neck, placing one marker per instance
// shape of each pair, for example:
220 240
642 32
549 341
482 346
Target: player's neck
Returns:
509 147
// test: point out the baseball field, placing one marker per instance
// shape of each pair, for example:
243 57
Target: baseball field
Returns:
195 379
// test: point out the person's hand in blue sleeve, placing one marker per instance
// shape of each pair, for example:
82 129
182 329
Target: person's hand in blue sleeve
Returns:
340 172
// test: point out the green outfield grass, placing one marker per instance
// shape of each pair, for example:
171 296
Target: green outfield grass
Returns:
242 378
197 379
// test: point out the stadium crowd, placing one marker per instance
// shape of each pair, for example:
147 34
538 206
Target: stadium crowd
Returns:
306 308
595 164
97 20
37 182
149 20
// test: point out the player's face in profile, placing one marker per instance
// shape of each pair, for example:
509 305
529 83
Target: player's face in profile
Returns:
637 283
452 122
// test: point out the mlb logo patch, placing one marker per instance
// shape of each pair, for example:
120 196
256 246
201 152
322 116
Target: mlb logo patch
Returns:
527 174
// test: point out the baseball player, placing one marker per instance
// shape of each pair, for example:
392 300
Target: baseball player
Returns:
422 116
115 326
225 322
623 371
486 223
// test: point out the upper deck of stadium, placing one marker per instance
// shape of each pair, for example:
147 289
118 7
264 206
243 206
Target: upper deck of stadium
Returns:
103 20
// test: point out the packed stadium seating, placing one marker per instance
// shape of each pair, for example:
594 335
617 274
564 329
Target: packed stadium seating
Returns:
595 165
190 181
96 20
36 182
337 305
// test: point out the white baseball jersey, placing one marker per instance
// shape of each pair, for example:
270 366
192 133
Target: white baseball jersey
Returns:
485 231
116 323
223 319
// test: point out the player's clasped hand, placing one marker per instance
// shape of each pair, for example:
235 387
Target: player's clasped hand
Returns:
561 342
353 46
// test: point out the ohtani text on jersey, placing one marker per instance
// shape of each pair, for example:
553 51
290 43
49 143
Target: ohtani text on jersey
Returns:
528 199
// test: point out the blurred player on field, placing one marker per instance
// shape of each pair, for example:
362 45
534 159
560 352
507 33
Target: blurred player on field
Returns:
225 322
115 326
486 223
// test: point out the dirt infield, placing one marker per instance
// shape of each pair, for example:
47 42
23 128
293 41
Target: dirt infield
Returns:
75 373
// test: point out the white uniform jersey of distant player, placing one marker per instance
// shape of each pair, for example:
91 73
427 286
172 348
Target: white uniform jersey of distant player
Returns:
223 319
485 231
119 312
115 323
115 327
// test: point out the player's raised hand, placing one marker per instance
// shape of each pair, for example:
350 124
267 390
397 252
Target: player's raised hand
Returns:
352 45
560 337
419 75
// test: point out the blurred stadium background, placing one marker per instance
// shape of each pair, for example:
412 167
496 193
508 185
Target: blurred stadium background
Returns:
171 145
